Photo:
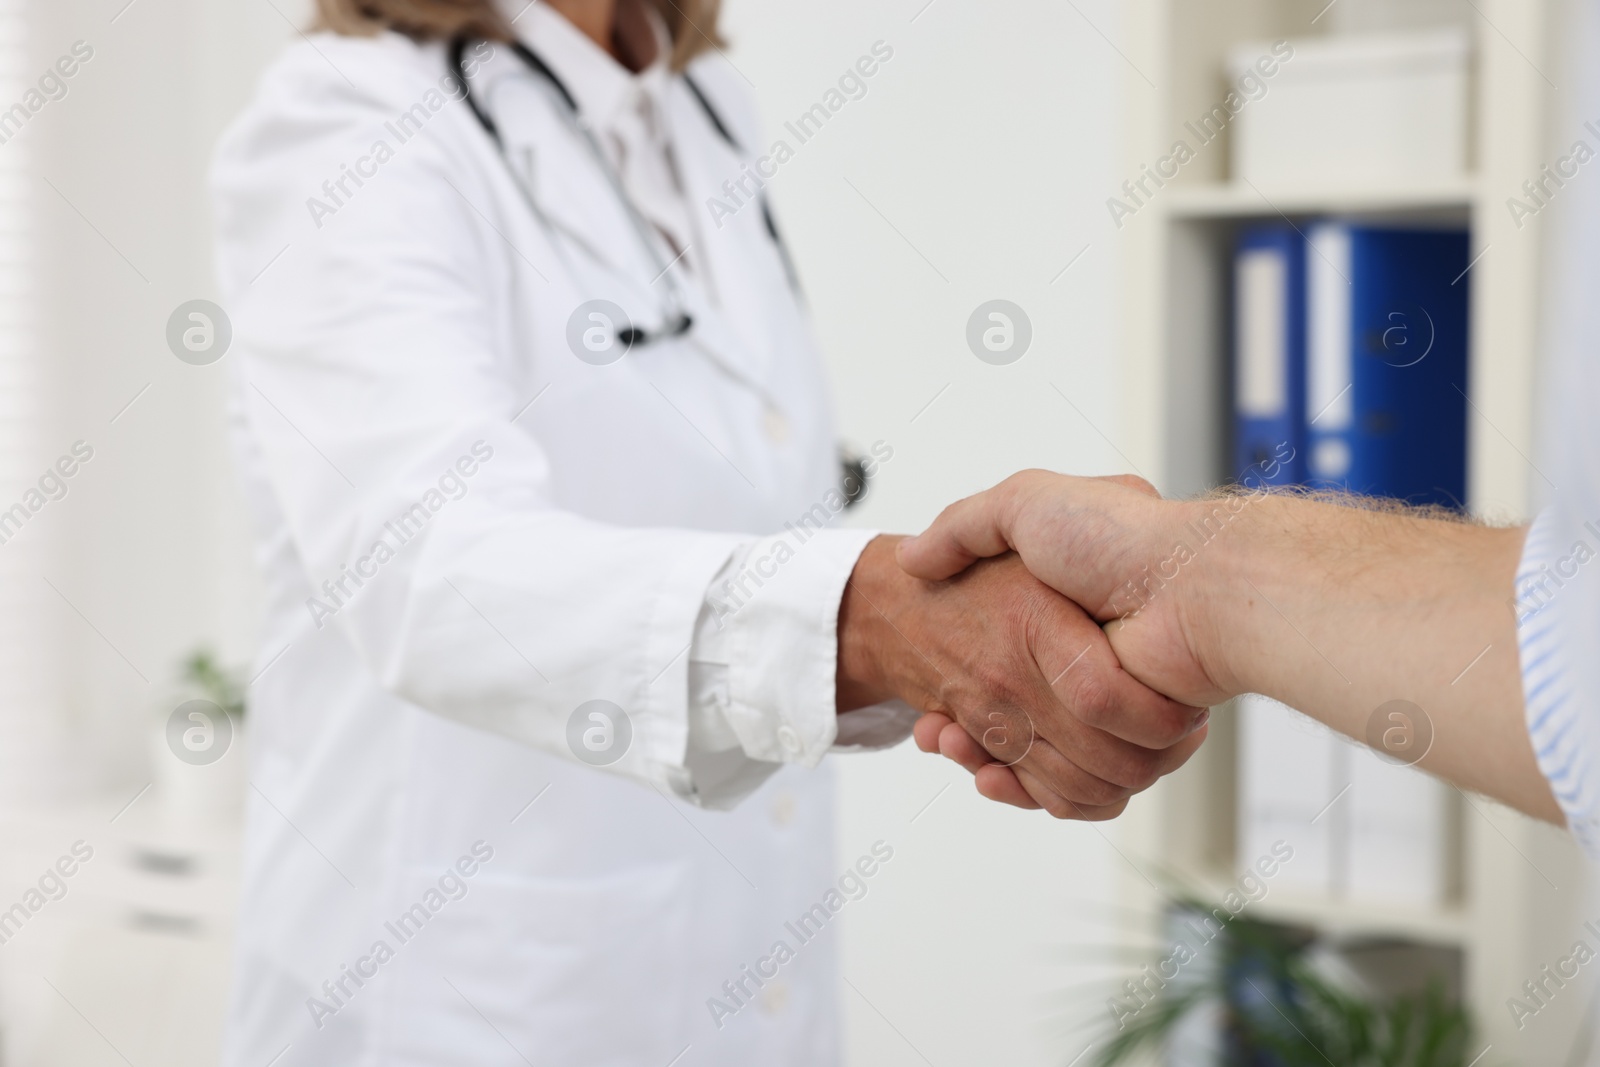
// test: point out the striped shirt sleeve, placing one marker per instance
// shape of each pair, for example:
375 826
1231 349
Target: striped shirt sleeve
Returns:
1558 583
1560 719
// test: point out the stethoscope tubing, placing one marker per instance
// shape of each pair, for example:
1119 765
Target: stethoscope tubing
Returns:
675 319
676 322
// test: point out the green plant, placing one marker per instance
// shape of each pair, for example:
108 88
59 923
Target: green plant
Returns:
223 687
1279 1011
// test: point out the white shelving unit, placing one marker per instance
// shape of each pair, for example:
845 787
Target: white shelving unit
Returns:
1236 200
1523 888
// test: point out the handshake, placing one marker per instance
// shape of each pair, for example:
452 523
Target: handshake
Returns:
1065 637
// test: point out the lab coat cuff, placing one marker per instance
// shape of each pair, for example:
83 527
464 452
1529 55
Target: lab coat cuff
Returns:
662 734
781 615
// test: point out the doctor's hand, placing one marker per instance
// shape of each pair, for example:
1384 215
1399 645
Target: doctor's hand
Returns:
1053 719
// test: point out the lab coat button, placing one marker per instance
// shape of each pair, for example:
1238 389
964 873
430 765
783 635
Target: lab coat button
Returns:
777 426
783 809
788 739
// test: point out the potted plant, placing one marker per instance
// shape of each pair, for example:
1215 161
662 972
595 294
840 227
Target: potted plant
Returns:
198 751
1266 1002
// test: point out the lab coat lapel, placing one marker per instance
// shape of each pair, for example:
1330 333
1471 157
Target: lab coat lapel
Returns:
739 326
559 172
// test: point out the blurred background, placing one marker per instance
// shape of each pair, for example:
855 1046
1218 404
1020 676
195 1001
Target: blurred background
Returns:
1004 154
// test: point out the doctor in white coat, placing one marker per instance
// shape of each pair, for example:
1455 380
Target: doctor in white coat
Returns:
543 468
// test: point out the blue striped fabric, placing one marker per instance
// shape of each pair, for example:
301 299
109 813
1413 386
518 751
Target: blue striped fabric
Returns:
1561 738
1558 581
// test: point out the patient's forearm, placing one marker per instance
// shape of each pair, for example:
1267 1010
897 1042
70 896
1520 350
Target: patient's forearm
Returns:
1336 611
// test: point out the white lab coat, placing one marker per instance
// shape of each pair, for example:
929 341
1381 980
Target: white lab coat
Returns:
402 726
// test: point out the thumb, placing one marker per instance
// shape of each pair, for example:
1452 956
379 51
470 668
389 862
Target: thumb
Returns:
964 532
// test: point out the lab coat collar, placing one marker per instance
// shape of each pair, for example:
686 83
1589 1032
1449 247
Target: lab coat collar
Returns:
601 86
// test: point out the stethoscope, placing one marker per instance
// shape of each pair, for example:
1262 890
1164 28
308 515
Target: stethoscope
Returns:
675 320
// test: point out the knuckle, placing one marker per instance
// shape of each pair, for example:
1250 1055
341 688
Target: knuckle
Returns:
1023 483
1137 769
1176 755
1090 787
1024 478
1145 770
961 695
1092 699
1060 808
938 701
1110 811
1166 727
1182 723
1102 792
996 680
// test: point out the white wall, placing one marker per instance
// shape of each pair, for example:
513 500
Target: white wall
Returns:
988 141
152 547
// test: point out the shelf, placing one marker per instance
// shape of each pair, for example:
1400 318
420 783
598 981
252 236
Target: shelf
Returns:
1240 200
1445 924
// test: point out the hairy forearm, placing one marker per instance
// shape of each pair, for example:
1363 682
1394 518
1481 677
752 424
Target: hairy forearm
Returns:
1337 611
